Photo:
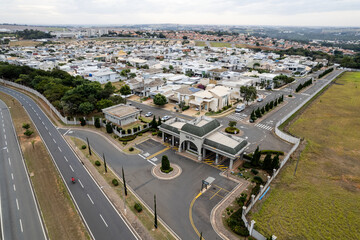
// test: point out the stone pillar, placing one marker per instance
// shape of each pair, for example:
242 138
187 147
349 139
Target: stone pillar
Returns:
243 211
217 159
179 150
204 153
75 120
93 120
274 171
261 189
251 226
252 199
268 177
163 136
231 164
199 154
172 140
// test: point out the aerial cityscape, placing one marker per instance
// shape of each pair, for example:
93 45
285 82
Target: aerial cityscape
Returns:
179 120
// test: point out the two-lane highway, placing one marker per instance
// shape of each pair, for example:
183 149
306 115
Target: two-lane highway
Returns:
100 216
20 217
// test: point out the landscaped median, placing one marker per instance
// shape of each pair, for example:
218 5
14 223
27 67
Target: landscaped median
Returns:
142 220
57 210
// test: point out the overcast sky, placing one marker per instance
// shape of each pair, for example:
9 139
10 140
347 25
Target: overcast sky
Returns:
234 12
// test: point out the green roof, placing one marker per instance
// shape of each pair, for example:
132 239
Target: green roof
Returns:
200 131
225 148
170 128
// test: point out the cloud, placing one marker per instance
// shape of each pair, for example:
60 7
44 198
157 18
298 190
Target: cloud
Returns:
234 12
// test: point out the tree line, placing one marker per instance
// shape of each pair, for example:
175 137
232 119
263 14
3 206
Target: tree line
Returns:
69 94
259 112
32 34
303 85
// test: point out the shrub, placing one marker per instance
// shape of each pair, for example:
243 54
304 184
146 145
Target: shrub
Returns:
254 171
28 133
97 163
232 130
82 121
247 165
127 138
83 147
131 149
26 125
255 191
115 182
129 131
185 108
289 95
247 157
159 133
138 207
97 123
154 133
123 131
139 134
109 129
124 143
258 179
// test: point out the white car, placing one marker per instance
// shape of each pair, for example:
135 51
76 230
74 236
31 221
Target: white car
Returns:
148 114
164 118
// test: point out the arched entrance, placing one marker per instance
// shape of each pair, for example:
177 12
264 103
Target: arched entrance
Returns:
189 147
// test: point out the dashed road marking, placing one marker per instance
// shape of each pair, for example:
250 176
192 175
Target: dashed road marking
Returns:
71 168
81 183
17 204
104 221
90 199
21 226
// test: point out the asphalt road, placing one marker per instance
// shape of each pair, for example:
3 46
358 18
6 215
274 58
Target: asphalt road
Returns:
20 217
99 215
174 196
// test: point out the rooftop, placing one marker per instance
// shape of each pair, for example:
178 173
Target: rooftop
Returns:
121 110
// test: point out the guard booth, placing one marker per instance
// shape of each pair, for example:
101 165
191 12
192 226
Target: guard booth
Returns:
207 182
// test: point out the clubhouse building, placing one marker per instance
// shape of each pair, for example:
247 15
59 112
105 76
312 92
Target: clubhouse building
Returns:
202 137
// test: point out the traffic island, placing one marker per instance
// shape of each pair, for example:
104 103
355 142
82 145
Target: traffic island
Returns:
156 172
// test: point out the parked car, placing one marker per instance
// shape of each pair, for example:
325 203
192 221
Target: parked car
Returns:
164 118
260 99
148 114
239 108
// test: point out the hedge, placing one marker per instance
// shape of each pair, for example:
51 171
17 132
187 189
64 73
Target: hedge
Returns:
97 163
232 130
127 138
115 182
271 152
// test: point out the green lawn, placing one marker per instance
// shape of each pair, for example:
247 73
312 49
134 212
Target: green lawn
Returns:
323 200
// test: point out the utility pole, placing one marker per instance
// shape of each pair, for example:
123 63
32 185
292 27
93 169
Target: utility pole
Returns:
155 214
88 145
105 163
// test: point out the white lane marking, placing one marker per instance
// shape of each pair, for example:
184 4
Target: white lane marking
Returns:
65 159
71 168
5 136
54 140
9 160
7 150
90 199
14 187
5 142
43 123
50 133
17 204
21 227
59 149
3 129
40 118
142 156
81 183
12 176
67 132
151 162
103 220
46 128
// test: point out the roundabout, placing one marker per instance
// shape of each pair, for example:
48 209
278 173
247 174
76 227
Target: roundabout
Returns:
156 172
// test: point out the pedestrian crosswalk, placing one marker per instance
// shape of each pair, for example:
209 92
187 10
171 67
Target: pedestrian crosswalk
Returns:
237 116
263 126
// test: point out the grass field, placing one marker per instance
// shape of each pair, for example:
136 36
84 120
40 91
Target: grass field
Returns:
24 43
220 44
61 219
200 43
323 200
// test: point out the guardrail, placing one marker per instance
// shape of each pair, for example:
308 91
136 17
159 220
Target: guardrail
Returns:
288 138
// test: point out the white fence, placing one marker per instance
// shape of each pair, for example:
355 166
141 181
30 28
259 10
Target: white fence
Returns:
285 137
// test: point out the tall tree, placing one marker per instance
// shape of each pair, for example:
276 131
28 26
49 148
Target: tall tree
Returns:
275 164
159 99
249 93
267 162
256 157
